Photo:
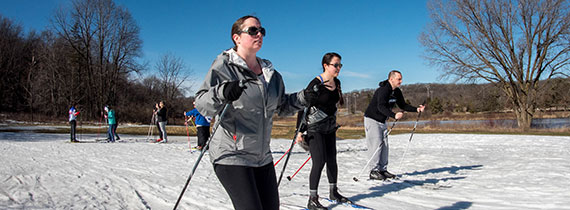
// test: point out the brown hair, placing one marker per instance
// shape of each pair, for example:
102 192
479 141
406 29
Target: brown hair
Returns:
327 58
236 27
393 73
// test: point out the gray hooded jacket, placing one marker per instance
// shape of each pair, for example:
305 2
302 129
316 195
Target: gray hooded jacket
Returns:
244 132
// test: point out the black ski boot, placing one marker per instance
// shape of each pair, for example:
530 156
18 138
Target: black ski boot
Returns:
376 175
314 204
388 175
335 196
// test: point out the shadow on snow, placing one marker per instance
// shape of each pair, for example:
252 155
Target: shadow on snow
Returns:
429 183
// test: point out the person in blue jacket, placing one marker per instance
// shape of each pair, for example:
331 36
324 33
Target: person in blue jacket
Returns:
202 124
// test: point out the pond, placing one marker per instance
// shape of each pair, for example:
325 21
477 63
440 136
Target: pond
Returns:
540 123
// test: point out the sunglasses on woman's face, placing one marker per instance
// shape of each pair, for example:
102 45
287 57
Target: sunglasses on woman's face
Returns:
336 65
252 31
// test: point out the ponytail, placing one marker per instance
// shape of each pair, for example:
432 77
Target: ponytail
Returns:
337 82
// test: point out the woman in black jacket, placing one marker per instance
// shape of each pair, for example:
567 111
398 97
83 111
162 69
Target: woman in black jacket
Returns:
162 118
321 129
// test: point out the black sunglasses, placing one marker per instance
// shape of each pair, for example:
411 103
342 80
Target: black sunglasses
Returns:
337 65
252 31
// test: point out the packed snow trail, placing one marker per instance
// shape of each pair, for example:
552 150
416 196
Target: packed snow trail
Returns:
441 171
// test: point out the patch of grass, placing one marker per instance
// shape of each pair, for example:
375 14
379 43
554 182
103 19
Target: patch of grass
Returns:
350 133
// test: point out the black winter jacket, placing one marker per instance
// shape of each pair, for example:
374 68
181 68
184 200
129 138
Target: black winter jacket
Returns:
384 99
162 114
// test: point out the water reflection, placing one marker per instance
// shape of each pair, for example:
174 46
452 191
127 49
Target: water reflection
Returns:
545 123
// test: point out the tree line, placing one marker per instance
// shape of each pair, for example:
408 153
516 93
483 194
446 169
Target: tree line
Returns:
88 56
515 54
461 98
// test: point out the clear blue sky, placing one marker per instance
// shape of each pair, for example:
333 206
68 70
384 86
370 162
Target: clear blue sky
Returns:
372 36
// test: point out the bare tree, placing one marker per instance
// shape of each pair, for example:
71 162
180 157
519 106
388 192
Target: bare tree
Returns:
512 44
106 39
173 75
11 63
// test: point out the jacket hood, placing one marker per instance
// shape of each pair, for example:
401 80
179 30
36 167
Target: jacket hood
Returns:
383 83
266 65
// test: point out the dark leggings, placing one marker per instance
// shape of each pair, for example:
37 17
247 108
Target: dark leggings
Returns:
73 124
159 131
250 188
203 135
323 150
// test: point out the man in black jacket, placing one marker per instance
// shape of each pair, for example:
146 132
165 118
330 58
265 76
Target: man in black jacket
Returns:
378 111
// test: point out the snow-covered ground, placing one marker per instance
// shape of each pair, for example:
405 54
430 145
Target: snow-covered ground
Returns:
440 171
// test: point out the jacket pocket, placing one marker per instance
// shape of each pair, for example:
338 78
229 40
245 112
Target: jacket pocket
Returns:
247 131
225 137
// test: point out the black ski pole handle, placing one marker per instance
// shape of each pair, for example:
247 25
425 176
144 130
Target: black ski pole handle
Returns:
243 81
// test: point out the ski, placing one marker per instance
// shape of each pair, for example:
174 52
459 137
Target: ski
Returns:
84 141
332 202
291 206
349 204
193 149
426 185
77 142
420 183
157 142
383 180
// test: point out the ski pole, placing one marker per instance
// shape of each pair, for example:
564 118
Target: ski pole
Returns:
194 126
149 133
282 156
291 177
376 151
218 122
187 132
409 141
292 144
80 130
303 121
196 131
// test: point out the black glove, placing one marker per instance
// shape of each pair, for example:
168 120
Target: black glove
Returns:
232 90
311 96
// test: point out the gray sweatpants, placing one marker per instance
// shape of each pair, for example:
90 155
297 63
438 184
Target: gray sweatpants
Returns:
377 143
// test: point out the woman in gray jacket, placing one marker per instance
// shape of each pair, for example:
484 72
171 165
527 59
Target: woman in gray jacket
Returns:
240 150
